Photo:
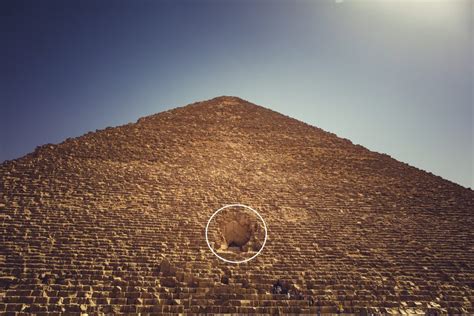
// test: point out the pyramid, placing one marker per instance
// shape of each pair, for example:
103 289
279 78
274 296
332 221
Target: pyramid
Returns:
114 222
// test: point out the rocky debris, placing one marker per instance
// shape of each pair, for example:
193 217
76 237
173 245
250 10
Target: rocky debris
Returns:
86 224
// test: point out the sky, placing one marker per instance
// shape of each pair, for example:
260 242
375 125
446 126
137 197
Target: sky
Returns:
393 76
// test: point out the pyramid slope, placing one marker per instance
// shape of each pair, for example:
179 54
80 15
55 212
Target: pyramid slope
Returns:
113 221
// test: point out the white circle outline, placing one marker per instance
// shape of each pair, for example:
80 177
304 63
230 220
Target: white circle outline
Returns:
244 206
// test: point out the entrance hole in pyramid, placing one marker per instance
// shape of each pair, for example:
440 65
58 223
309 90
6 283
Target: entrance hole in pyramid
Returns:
237 233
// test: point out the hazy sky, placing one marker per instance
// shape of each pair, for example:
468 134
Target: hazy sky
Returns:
393 76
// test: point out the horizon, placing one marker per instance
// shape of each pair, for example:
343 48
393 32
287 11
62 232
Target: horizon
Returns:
393 77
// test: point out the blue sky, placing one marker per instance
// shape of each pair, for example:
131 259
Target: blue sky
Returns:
393 76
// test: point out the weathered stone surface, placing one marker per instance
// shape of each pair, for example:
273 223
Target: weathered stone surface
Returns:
236 233
85 224
165 267
168 282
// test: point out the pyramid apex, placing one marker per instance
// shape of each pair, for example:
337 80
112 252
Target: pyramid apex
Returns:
225 99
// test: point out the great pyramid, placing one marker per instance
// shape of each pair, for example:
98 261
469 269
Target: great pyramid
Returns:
113 222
